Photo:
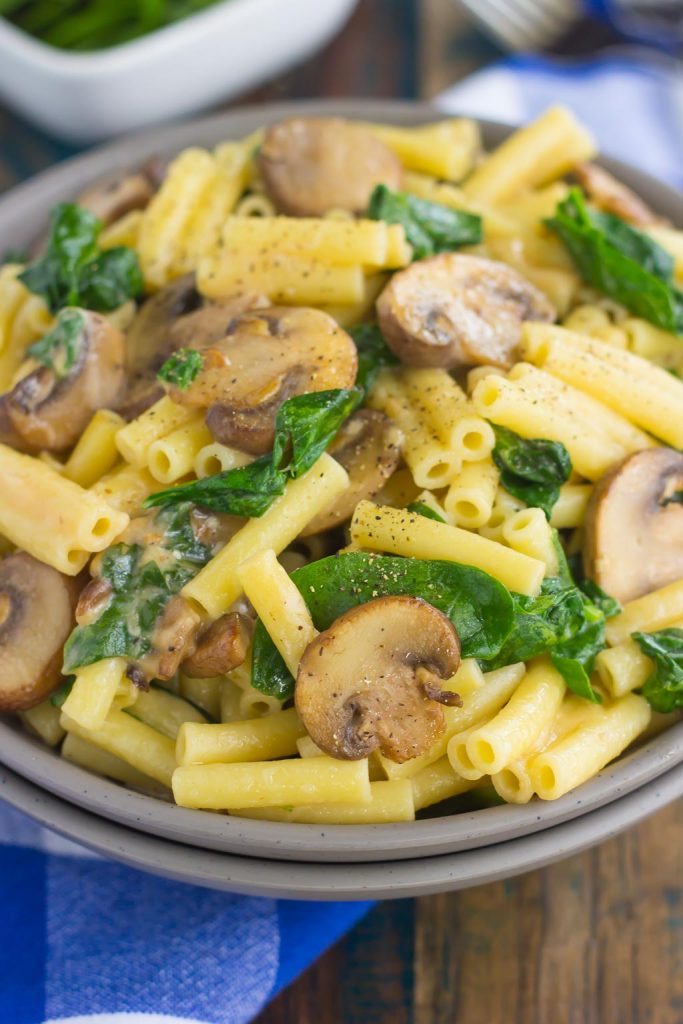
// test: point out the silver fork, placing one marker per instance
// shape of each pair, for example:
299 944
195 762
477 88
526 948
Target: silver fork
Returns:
524 24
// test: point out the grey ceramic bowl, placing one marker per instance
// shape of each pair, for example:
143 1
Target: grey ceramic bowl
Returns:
22 216
286 880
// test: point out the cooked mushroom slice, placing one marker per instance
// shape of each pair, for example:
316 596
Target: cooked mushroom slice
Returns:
455 310
175 317
118 194
221 648
173 640
612 196
36 616
50 407
634 525
372 680
311 165
368 446
265 358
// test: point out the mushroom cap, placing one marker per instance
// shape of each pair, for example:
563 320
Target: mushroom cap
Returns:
311 165
455 310
371 680
112 197
46 412
222 647
633 536
36 616
266 357
173 318
368 446
612 196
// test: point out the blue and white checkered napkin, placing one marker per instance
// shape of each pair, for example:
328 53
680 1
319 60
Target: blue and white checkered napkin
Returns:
633 106
85 939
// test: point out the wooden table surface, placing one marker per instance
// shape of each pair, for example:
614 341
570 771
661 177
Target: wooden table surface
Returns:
596 939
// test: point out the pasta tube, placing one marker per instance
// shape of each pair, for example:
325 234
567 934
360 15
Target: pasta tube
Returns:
437 782
51 517
137 744
221 787
135 439
587 749
389 801
446 149
173 456
470 497
400 532
658 610
217 585
86 755
261 739
95 452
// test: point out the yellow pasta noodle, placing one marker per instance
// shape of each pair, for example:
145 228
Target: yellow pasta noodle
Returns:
94 690
164 711
470 496
217 585
160 420
399 532
446 149
205 693
124 231
279 605
258 739
518 406
623 668
293 280
126 487
650 396
570 508
217 458
449 413
173 456
86 755
24 318
654 611
53 518
271 783
137 744
43 720
389 801
529 531
437 782
95 452
534 155
587 749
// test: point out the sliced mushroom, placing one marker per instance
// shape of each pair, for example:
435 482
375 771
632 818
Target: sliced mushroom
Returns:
176 317
49 408
612 196
118 194
265 358
368 446
634 530
454 310
174 639
36 616
221 648
311 165
372 680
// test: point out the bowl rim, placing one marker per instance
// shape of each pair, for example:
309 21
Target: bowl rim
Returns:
22 213
255 876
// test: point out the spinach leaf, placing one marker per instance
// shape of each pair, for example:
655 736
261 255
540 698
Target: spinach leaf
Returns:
620 261
480 607
140 590
674 499
307 424
75 272
562 621
59 696
609 606
304 427
664 688
373 354
422 509
429 227
532 470
60 348
14 256
181 368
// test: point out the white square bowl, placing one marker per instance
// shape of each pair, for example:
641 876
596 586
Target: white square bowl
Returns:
167 74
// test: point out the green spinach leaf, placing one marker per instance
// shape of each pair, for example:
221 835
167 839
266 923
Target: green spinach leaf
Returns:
181 368
304 427
609 606
620 261
60 348
480 607
531 470
664 688
429 227
75 272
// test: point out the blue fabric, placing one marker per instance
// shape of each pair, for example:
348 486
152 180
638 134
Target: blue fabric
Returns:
84 938
634 107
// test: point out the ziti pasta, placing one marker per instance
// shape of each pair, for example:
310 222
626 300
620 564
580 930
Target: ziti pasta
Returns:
340 476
